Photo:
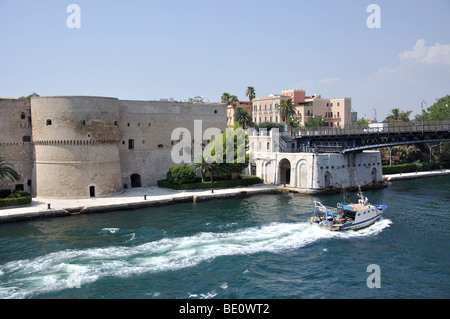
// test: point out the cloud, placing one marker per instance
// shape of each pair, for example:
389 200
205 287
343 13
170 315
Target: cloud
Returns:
422 72
433 55
329 81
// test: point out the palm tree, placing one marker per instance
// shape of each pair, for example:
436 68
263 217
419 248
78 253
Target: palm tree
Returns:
226 98
243 118
286 109
7 170
250 93
233 102
398 116
203 165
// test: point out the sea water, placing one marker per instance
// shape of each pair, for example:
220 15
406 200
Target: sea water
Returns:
257 247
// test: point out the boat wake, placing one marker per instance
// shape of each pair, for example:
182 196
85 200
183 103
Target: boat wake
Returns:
75 268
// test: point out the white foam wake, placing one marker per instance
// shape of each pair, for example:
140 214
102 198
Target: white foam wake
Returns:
74 268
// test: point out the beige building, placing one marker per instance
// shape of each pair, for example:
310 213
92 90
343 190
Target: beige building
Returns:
337 112
80 146
231 112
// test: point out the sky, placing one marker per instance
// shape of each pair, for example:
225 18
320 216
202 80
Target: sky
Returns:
147 50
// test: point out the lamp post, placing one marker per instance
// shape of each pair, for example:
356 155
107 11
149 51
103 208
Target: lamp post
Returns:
390 154
423 104
431 150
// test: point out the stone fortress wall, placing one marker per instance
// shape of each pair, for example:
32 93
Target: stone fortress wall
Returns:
16 141
81 146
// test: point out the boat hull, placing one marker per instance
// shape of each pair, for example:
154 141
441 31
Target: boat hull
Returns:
360 225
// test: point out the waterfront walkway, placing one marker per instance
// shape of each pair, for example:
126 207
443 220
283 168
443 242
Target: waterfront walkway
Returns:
396 177
153 196
129 199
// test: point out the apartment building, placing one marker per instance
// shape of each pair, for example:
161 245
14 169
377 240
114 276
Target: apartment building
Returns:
337 112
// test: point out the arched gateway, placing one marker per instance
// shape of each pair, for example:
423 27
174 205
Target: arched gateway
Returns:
284 170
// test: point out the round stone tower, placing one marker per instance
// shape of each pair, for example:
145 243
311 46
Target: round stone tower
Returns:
76 142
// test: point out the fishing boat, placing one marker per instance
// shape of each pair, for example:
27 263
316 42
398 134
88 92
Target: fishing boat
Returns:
346 216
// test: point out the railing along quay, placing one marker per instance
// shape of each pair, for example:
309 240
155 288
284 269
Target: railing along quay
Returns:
390 129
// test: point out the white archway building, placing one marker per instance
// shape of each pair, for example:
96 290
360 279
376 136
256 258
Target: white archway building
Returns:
312 171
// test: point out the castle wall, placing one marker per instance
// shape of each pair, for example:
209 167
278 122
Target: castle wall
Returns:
80 146
15 141
76 146
149 124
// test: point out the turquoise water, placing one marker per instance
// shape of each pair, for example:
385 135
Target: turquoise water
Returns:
248 248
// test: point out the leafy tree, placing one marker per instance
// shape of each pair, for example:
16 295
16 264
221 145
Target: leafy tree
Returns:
7 170
439 111
181 174
361 123
226 167
269 125
250 93
315 121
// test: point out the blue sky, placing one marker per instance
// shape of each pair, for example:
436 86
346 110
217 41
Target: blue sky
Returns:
141 50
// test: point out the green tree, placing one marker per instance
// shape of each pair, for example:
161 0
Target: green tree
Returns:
250 93
439 111
315 121
181 174
286 110
243 118
226 167
7 170
361 123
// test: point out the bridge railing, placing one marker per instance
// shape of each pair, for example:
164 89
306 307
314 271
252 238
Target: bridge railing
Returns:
403 127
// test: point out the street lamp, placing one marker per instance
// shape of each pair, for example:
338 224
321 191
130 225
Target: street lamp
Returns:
423 104
431 147
390 154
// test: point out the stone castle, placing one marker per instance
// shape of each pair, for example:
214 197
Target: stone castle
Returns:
82 146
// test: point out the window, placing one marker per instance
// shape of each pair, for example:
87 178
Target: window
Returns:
26 139
160 146
48 122
115 123
130 144
215 111
22 116
268 146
